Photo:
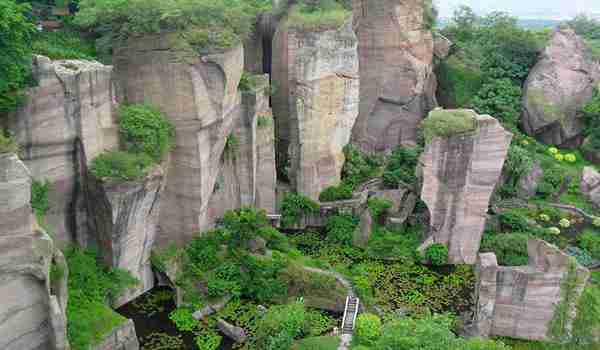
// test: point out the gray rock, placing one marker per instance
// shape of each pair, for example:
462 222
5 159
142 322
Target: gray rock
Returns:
236 333
211 308
527 185
441 45
590 185
257 245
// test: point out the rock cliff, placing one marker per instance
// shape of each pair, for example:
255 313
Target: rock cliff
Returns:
33 307
66 122
397 82
520 302
459 175
557 88
315 74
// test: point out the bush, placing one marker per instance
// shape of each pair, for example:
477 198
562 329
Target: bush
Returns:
145 130
500 98
368 328
275 239
340 228
359 167
510 248
208 340
445 123
590 241
63 45
437 254
401 167
400 245
120 166
39 198
513 221
318 14
243 225
336 193
294 206
378 206
7 143
551 182
459 81
183 320
280 325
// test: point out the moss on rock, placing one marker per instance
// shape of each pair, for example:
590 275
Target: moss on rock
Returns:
446 123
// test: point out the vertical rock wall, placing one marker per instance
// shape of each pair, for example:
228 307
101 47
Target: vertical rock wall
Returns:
315 75
460 173
33 308
396 69
520 302
65 123
199 94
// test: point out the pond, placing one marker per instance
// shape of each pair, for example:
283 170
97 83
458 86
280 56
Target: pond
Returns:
150 313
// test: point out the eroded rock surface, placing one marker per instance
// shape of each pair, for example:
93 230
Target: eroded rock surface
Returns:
200 96
124 217
397 82
459 176
315 73
557 88
590 185
66 122
33 308
519 302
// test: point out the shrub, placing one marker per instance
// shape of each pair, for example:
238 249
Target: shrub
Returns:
274 238
510 248
401 167
340 228
183 319
243 225
513 221
590 241
294 206
437 254
39 198
336 193
63 45
280 325
378 206
388 244
121 166
7 143
368 328
587 322
208 340
551 182
145 130
445 123
460 79
500 98
359 167
323 14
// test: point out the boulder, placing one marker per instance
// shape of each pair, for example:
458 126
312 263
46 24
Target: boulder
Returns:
66 122
460 172
396 69
33 307
237 334
527 185
590 185
315 71
257 245
362 234
199 94
211 308
124 216
520 302
441 46
559 85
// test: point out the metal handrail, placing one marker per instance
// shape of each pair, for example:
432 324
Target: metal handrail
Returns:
345 312
355 313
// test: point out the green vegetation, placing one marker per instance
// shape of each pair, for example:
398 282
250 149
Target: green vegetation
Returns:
558 328
336 193
340 228
510 248
446 123
591 112
460 80
590 241
399 245
318 14
437 254
587 322
39 199
368 328
7 143
121 166
359 167
378 206
401 167
206 25
63 44
589 29
317 343
294 206
145 130
89 318
232 144
15 54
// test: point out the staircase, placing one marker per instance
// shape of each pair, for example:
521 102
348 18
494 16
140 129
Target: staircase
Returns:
350 313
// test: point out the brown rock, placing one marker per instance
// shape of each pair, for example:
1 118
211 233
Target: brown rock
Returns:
459 176
590 185
397 81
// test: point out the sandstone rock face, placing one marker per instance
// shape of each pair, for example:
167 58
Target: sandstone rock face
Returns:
590 185
199 94
556 89
32 311
397 82
247 175
519 302
66 122
316 102
459 176
122 337
125 217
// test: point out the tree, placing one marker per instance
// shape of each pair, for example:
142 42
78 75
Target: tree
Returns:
15 52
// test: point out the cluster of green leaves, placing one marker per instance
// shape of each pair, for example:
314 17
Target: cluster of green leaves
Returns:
401 167
280 325
16 32
162 341
591 113
318 343
587 322
437 254
519 162
121 166
7 143
294 206
510 248
398 245
441 123
89 318
144 129
359 167
340 192
151 303
368 328
182 317
319 14
590 241
378 206
39 198
202 24
340 228
63 44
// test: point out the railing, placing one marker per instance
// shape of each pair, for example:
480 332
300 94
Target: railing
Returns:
345 312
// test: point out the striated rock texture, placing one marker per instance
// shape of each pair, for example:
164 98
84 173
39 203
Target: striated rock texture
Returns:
396 69
65 123
519 302
122 337
315 74
125 217
33 307
557 88
199 94
247 175
590 185
459 176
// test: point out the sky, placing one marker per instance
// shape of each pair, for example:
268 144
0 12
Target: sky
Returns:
547 9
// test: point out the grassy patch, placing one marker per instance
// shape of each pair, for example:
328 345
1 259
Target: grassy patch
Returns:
7 144
63 44
446 123
121 166
317 343
324 14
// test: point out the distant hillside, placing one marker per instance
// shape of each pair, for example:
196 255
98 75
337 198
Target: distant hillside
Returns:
524 23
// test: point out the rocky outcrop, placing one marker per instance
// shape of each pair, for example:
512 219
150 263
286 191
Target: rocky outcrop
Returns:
33 307
200 96
520 302
397 82
247 175
236 333
441 46
459 176
124 216
122 337
590 185
315 73
66 122
528 183
557 88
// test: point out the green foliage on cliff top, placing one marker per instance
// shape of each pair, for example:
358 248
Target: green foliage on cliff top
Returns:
121 166
445 123
63 44
318 14
146 130
203 24
294 206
